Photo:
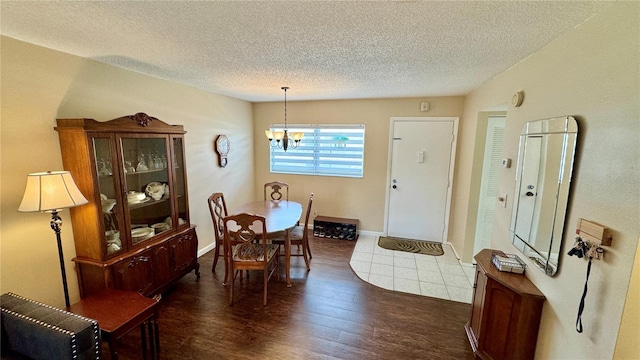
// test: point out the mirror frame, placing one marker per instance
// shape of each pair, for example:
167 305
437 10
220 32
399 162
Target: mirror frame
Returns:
531 226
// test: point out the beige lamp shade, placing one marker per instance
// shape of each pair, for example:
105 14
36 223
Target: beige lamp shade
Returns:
297 136
51 190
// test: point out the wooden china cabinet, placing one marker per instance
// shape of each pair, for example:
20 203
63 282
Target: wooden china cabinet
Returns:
134 234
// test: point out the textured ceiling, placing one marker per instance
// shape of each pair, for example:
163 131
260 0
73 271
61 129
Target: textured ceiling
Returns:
321 49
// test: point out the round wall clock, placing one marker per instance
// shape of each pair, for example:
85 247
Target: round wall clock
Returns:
222 148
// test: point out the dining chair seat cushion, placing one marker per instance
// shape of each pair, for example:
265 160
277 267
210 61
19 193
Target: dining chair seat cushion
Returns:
294 234
253 252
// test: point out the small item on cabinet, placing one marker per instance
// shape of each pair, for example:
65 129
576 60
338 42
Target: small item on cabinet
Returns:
128 167
113 247
140 234
160 227
508 262
106 203
112 235
105 167
141 164
155 190
134 197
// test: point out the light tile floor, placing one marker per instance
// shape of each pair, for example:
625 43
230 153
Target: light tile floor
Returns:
441 277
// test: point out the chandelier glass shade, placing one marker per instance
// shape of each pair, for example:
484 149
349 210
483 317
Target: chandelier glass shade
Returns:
280 139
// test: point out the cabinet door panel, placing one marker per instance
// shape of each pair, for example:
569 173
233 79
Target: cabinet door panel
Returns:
478 301
183 251
501 305
134 274
162 264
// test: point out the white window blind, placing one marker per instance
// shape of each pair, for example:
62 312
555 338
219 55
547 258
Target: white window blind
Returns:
326 150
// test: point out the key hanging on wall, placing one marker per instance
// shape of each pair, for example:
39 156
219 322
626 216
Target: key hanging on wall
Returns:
591 251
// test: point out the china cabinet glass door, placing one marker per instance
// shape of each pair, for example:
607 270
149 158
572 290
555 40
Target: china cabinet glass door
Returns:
107 185
180 181
147 185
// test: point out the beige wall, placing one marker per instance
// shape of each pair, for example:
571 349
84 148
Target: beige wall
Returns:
40 85
362 198
628 344
592 72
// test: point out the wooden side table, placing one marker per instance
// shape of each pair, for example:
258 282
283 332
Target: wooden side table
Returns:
117 313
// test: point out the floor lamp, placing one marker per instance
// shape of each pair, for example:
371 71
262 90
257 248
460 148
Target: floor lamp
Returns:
51 192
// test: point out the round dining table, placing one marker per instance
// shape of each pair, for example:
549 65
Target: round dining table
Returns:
280 216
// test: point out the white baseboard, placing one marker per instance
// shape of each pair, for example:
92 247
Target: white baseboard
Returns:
206 249
454 250
370 233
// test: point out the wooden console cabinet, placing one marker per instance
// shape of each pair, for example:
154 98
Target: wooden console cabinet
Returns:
505 313
134 234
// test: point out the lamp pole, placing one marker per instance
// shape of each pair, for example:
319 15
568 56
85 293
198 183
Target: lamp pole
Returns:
56 224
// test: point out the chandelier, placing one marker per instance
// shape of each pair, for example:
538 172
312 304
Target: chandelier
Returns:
282 137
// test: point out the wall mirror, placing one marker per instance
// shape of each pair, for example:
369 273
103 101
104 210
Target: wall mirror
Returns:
543 177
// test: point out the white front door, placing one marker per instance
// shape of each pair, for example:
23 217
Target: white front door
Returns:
421 162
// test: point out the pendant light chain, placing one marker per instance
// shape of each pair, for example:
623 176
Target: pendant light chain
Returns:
285 88
282 137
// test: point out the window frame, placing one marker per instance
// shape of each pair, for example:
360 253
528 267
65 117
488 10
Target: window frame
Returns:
347 163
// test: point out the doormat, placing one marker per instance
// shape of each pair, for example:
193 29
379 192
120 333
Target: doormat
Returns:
413 246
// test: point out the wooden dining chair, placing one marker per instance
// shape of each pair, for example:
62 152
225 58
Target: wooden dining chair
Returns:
299 236
218 210
246 252
275 190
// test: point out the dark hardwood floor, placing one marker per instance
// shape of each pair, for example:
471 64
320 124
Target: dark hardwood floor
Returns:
329 313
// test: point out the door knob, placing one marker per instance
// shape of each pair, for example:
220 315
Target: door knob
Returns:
394 186
529 193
